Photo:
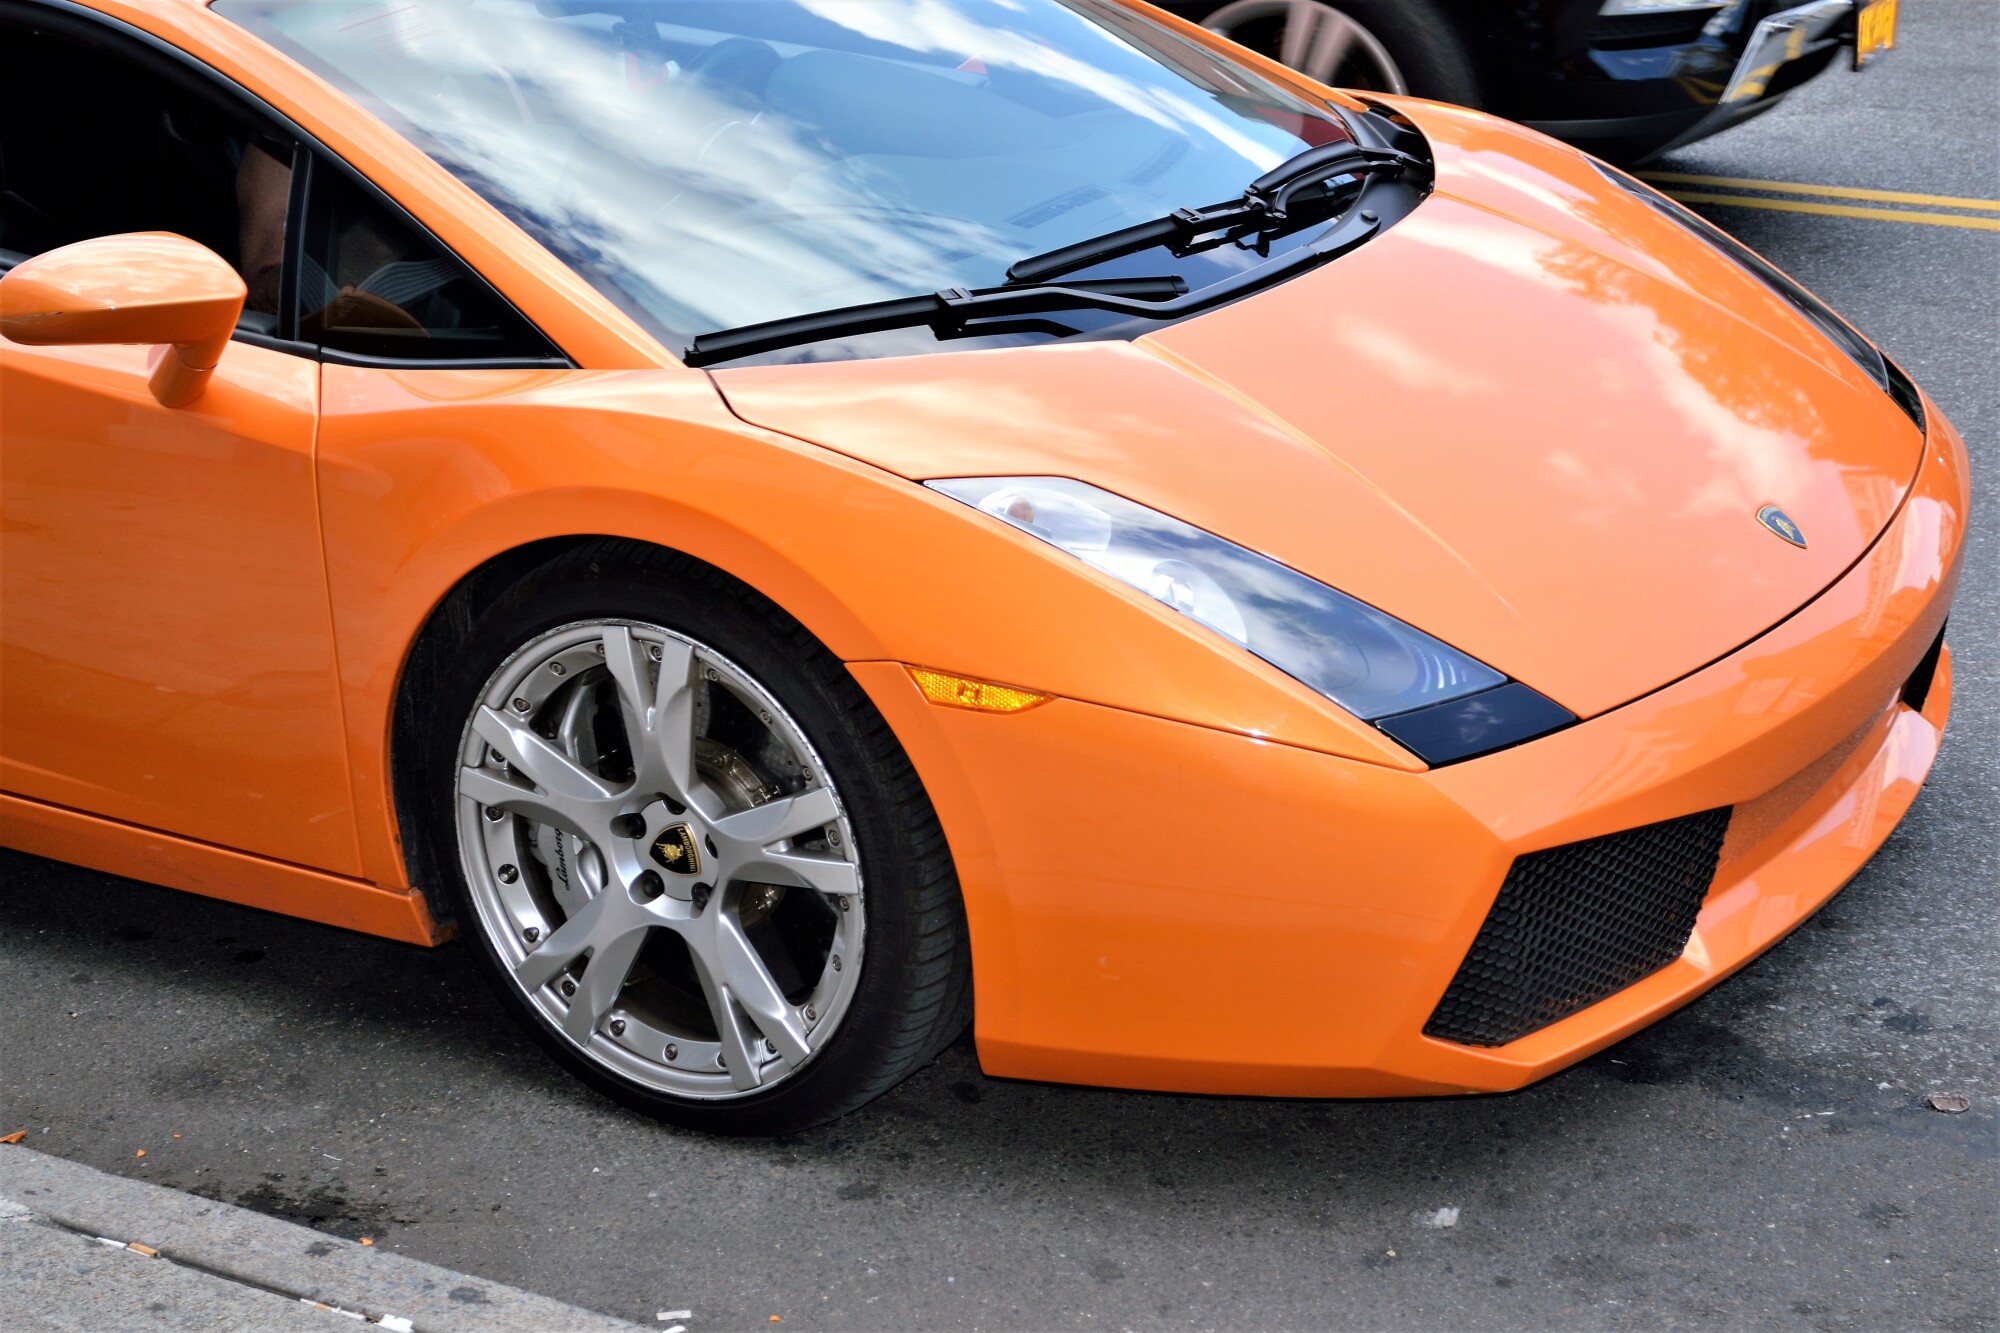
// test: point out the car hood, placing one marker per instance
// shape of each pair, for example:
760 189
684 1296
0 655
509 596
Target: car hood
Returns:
1534 418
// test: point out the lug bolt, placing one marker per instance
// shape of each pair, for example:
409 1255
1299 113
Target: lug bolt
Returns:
520 705
531 934
673 1051
568 987
508 874
555 668
649 885
617 1027
629 826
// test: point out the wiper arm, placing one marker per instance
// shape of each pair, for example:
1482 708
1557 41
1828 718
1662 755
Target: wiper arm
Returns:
1264 204
944 310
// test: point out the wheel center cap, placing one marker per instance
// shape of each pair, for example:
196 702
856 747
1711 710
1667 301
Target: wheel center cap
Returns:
676 850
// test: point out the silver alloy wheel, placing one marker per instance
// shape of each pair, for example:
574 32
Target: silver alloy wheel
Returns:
1313 37
660 859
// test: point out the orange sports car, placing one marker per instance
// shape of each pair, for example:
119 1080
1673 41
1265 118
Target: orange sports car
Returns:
790 525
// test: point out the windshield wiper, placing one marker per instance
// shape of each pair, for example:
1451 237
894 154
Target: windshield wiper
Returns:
946 310
1264 204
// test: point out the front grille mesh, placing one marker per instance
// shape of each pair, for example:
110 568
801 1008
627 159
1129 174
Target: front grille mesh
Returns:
1574 924
1669 29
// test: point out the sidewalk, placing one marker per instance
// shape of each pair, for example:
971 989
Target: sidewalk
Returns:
86 1251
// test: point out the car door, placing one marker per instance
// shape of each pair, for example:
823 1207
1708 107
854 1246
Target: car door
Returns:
166 651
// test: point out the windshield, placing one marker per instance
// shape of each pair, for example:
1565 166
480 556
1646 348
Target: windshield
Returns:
715 163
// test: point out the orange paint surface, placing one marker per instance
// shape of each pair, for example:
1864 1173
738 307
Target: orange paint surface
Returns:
1345 894
1531 418
166 655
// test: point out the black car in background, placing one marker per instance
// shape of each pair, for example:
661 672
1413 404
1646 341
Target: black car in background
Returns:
1625 79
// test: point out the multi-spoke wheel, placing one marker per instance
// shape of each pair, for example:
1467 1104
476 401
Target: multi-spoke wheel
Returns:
694 856
1316 39
1384 46
660 857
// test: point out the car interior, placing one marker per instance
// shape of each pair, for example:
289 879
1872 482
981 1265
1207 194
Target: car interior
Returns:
96 144
84 155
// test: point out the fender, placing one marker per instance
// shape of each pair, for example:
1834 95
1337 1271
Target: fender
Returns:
427 475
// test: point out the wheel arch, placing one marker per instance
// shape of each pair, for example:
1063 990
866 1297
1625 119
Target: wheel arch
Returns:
488 576
418 675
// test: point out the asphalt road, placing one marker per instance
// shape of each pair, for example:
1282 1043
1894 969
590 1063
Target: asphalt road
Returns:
1764 1157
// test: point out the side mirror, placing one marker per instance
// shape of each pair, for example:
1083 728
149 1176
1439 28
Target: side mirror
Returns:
144 287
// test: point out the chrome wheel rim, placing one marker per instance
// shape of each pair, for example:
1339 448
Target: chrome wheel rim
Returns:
1314 38
660 859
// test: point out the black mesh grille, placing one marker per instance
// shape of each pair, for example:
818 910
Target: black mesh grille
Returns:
1669 29
1577 923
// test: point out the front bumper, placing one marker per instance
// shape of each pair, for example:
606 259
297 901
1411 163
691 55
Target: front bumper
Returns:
1166 906
1784 51
1708 90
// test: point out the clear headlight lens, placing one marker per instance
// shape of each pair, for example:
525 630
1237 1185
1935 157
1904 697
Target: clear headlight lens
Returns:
1369 663
1613 8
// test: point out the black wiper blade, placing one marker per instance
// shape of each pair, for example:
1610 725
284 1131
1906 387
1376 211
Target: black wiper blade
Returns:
1264 203
1315 166
946 310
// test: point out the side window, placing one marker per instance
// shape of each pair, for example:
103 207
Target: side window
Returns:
374 285
95 141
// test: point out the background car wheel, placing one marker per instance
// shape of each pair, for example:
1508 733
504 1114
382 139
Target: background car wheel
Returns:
685 848
1384 46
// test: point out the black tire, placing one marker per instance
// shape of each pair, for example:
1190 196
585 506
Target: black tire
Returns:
914 994
1427 42
1424 38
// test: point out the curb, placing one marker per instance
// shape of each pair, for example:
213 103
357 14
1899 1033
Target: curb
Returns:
282 1258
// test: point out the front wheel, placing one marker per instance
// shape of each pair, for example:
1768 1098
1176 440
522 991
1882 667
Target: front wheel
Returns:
692 856
1384 46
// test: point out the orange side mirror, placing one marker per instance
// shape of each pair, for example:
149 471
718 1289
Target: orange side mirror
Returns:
144 287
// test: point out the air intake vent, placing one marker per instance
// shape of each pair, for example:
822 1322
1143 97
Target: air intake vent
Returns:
1577 923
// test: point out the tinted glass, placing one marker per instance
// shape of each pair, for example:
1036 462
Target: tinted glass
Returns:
93 143
713 163
370 283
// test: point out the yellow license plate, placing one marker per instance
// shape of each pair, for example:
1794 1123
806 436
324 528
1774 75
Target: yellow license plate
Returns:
1874 30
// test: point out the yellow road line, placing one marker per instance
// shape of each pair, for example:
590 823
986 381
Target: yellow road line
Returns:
1825 191
1839 210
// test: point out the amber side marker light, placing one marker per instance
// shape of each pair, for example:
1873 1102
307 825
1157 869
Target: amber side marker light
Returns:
982 696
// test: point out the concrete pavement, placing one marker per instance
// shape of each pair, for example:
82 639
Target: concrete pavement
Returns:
84 1250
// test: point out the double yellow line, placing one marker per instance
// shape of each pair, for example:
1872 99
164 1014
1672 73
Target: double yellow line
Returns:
1739 192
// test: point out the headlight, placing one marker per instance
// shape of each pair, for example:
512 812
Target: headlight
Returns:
1838 331
1614 8
1370 663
